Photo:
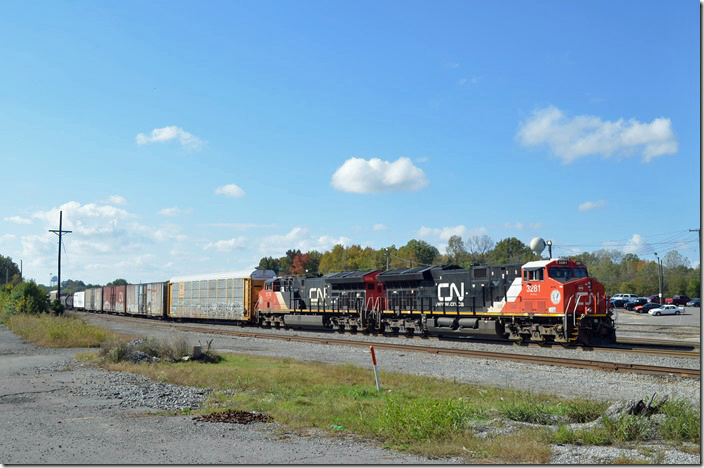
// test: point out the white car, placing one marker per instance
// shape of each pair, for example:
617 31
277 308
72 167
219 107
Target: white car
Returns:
668 309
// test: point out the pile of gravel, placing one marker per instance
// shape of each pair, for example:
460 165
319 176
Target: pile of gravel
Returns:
136 391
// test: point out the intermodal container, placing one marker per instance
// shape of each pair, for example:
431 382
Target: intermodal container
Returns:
216 297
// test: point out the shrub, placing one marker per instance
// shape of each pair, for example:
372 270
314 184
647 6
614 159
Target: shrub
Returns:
25 298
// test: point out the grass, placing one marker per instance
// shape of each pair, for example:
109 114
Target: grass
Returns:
58 331
423 415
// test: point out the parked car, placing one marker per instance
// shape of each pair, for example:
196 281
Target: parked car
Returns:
667 309
619 300
677 300
696 302
645 308
655 299
630 305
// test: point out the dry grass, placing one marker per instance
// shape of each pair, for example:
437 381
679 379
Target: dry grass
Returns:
58 331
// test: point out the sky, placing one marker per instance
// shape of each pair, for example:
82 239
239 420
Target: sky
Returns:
183 137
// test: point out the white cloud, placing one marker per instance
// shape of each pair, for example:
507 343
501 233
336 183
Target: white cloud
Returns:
242 226
85 219
379 227
519 226
230 190
591 205
584 135
227 245
636 244
117 200
440 236
160 135
7 237
18 220
299 238
358 175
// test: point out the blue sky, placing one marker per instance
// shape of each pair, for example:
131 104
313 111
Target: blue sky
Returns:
194 137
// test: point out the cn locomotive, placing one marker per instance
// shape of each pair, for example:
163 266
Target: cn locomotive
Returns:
546 300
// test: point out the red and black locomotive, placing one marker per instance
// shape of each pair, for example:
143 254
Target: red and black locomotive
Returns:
545 300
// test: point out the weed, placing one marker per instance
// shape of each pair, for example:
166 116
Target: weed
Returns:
681 421
626 428
530 412
58 332
582 411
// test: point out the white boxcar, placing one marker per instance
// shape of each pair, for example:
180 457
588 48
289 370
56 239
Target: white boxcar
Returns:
79 300
218 297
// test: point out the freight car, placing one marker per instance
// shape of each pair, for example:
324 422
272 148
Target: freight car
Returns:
545 300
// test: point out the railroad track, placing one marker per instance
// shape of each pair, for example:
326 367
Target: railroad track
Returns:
544 360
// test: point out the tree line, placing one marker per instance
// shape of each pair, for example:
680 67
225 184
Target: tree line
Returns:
618 271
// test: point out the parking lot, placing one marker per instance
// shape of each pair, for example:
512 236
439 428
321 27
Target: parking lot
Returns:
691 316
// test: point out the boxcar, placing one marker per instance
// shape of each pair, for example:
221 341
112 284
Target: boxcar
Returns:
93 300
79 300
147 299
114 299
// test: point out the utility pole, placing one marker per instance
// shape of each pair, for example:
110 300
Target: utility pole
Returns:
59 233
662 300
387 259
698 231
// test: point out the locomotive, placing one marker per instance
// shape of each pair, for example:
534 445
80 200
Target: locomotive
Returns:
546 300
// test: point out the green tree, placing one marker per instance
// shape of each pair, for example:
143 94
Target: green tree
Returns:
26 298
117 282
418 253
510 250
8 269
456 251
269 263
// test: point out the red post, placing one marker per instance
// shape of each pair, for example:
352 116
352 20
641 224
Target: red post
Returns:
371 348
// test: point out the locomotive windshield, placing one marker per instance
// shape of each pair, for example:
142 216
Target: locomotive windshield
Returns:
566 273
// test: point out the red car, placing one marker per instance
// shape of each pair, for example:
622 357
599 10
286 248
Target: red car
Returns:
677 300
655 299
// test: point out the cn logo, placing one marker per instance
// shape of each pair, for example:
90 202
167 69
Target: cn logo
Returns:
451 289
315 293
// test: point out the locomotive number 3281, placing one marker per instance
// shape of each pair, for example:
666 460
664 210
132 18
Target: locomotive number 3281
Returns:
532 288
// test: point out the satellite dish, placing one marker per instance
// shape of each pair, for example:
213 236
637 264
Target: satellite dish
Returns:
537 245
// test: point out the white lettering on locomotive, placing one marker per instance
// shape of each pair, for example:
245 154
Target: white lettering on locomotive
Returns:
454 291
317 293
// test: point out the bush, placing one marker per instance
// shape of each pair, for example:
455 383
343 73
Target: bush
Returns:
25 298
58 332
151 349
